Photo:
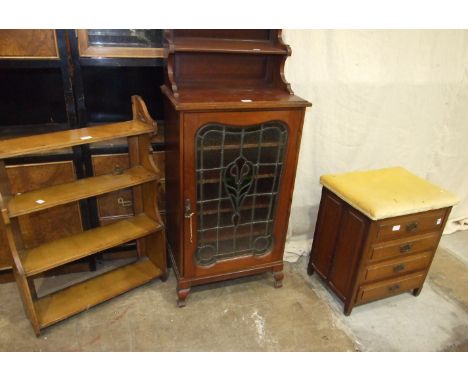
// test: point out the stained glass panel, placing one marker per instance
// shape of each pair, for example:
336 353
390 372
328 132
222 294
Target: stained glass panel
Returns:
238 175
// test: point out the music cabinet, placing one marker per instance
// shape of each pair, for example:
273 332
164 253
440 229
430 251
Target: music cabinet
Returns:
233 132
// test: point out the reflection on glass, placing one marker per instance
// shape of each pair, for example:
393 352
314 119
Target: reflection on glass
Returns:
132 38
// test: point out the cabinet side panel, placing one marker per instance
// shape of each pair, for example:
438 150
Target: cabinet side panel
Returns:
348 250
326 232
4 251
173 184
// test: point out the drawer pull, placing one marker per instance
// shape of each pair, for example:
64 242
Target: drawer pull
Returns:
410 227
398 268
118 170
394 288
124 203
406 248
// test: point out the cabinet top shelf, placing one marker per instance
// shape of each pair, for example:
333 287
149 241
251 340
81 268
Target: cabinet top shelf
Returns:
68 138
221 99
212 45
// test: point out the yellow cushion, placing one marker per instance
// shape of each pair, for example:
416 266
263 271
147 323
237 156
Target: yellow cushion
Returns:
388 192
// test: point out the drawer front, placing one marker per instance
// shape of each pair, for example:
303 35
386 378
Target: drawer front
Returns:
410 225
119 204
112 219
397 267
28 43
389 288
53 223
403 247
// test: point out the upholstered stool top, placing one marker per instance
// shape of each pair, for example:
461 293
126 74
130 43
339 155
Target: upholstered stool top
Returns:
388 192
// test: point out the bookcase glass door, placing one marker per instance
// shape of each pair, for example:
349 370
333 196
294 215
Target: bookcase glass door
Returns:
238 172
132 38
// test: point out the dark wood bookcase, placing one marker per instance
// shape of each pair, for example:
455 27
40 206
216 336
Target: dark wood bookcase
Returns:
233 131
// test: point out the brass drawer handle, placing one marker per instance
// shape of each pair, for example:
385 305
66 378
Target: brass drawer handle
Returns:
410 227
406 248
394 288
124 203
118 170
399 267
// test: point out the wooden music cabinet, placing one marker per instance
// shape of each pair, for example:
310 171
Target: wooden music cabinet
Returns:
376 233
233 132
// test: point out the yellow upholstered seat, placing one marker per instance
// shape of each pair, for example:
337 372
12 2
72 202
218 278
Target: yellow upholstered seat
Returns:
388 192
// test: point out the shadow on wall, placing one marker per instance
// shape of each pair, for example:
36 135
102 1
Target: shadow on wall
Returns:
304 221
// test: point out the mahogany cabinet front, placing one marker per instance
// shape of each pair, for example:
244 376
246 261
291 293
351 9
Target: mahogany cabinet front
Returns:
229 181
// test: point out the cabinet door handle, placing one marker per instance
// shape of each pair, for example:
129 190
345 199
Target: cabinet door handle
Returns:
410 227
394 288
188 214
399 267
406 248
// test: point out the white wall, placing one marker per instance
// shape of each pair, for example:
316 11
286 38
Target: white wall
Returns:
380 99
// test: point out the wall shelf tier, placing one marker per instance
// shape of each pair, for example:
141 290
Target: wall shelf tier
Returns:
145 226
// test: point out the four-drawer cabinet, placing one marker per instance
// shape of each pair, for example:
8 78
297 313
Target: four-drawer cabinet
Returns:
362 259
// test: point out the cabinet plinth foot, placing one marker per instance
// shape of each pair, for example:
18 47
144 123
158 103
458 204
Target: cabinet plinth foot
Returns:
310 269
348 308
182 295
279 276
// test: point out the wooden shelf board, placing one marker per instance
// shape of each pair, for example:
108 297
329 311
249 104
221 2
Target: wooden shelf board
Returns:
44 198
58 252
242 99
82 296
212 45
60 139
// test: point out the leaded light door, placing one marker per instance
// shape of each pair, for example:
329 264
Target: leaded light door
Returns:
238 172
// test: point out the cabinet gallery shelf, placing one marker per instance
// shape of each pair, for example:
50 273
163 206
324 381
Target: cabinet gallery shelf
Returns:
229 46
